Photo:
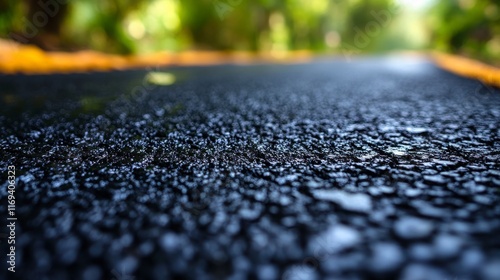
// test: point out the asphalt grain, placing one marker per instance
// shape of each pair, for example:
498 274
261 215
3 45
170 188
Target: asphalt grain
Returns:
379 168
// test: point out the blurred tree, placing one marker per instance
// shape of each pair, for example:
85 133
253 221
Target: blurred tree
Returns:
467 27
47 17
366 21
103 23
126 26
10 11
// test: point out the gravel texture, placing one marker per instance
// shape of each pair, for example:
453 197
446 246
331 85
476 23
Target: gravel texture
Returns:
380 168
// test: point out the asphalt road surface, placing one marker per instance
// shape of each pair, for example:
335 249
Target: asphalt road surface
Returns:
378 168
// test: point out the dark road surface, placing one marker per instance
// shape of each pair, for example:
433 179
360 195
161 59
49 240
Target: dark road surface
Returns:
374 169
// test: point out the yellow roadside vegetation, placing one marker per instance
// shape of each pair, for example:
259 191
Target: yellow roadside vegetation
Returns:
28 59
468 68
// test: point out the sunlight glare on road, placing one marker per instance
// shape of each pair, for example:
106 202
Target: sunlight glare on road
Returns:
160 78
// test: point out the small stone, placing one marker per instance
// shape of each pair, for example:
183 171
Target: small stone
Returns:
286 179
422 272
472 259
435 179
68 249
413 228
348 261
335 239
354 202
445 162
447 246
421 252
146 248
374 191
91 273
483 199
416 130
267 272
428 210
413 192
128 265
313 184
386 189
386 257
250 213
300 272
170 242
491 271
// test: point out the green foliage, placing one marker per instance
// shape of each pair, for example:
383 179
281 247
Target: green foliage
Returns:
10 13
468 27
354 26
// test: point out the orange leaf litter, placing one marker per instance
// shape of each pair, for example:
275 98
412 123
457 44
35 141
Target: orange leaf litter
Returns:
468 68
28 59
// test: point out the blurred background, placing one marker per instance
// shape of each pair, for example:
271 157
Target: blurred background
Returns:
468 27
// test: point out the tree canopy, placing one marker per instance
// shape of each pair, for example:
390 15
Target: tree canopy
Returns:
359 26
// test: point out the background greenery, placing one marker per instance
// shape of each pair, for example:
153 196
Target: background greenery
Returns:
470 27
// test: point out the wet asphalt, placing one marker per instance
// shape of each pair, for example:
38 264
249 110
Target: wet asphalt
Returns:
378 168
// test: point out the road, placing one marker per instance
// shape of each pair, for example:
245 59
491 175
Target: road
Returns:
378 168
